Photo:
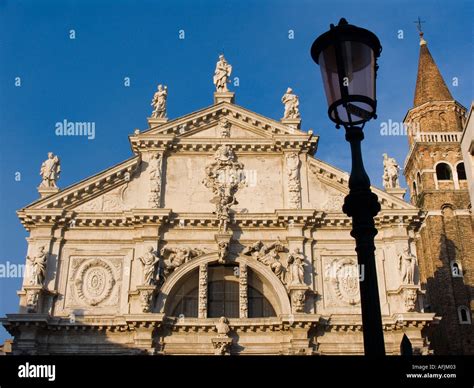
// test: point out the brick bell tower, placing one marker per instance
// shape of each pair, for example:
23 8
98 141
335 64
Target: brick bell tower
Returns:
435 173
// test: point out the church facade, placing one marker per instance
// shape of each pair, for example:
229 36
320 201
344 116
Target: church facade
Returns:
222 234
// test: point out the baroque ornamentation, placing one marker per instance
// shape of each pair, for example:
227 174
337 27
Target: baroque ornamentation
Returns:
224 128
222 251
95 281
243 290
334 203
221 75
268 255
38 265
32 296
155 164
224 176
409 297
391 170
50 170
159 102
294 183
298 297
146 298
345 280
202 303
109 202
175 257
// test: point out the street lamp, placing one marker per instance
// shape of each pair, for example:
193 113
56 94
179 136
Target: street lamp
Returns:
347 56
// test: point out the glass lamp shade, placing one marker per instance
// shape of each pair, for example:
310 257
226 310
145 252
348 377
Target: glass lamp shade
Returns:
347 56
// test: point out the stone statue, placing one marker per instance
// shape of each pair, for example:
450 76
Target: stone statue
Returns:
296 268
38 264
175 257
222 327
406 266
391 171
159 102
50 170
222 74
292 103
268 255
150 263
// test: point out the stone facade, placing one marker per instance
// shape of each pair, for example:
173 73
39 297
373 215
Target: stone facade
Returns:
445 244
255 254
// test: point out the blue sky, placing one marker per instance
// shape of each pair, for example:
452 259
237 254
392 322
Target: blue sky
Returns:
82 79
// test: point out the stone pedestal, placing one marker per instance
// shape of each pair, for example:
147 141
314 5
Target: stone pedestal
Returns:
222 345
155 122
397 192
292 123
297 297
224 97
47 191
146 294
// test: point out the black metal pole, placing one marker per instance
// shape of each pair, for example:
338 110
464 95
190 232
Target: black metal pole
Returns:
362 205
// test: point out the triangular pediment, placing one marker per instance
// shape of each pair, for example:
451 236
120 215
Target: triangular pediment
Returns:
205 120
336 182
90 191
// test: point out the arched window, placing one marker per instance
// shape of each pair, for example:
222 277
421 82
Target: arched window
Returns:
456 270
185 298
461 171
443 172
464 315
415 190
223 294
418 179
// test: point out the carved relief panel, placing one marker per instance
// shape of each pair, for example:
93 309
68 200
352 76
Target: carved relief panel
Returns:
94 283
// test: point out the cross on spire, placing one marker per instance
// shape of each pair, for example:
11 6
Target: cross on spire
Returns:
419 23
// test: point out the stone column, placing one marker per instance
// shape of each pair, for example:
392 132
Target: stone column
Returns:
243 290
202 303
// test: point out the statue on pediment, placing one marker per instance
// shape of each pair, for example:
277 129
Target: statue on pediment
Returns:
222 74
50 170
159 102
391 171
292 103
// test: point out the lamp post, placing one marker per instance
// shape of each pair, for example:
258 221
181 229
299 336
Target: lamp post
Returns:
347 56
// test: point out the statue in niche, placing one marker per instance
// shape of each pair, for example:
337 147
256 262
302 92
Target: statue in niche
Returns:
159 102
295 269
406 266
292 103
391 171
222 74
50 170
38 264
150 263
